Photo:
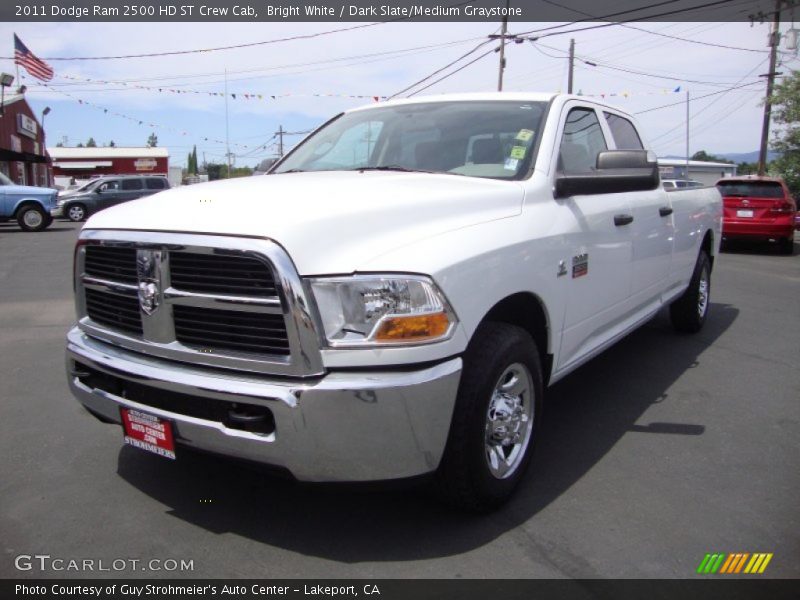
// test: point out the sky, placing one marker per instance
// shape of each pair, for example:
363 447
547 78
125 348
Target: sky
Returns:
637 69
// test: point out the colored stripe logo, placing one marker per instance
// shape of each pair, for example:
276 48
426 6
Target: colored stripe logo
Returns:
734 563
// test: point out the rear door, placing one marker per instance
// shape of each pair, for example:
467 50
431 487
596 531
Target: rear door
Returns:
652 227
131 189
155 184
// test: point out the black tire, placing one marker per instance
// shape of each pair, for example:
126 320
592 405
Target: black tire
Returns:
786 245
466 479
689 312
76 212
32 217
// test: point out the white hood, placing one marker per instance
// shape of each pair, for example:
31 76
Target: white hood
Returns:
329 222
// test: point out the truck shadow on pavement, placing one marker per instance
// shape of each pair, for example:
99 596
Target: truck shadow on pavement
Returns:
586 414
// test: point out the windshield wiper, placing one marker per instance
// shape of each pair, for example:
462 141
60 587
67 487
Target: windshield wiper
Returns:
289 171
393 168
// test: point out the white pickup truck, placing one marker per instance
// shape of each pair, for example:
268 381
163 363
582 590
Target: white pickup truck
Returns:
393 297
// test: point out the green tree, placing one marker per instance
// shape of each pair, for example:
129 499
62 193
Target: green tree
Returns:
703 155
152 141
194 160
216 171
80 145
111 144
91 143
746 168
786 112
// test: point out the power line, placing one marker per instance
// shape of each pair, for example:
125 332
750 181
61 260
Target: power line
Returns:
641 112
452 72
437 71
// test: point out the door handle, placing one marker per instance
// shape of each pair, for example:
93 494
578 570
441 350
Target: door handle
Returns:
665 211
620 220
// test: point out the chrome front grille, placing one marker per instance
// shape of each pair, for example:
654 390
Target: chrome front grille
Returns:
223 302
119 311
110 262
230 329
221 273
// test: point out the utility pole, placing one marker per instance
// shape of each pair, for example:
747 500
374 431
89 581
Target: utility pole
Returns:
502 65
571 65
687 135
280 133
775 36
227 131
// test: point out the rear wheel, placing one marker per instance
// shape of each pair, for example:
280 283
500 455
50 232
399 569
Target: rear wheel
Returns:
495 420
688 313
76 212
786 245
32 217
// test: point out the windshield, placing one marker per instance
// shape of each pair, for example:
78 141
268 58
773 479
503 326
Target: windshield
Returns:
753 189
476 139
4 180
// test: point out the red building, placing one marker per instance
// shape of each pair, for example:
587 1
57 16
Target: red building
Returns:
87 163
23 155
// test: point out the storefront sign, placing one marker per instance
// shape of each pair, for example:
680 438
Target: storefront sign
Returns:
145 164
27 126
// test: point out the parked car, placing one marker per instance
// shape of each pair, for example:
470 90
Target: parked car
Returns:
393 298
29 205
107 191
758 208
680 184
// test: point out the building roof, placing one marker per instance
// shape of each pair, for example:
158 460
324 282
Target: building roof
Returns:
680 162
11 98
62 153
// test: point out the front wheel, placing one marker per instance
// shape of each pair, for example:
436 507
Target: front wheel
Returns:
33 218
76 212
495 420
688 313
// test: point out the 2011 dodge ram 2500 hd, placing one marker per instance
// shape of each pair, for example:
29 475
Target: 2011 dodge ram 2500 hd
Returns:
393 297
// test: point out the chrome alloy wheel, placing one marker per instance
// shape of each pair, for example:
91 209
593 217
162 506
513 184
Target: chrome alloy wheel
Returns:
702 294
33 219
509 421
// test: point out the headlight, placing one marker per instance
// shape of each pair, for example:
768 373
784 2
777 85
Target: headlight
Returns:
373 310
61 201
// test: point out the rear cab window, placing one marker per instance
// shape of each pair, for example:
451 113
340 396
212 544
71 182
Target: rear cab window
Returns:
624 133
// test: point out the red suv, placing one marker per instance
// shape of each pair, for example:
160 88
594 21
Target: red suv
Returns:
758 208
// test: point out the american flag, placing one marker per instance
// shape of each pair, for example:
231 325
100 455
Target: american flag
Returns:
33 65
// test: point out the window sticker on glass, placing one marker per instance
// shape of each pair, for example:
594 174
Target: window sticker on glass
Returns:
511 164
518 152
524 135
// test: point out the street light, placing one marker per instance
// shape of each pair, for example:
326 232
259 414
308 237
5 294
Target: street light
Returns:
45 112
5 81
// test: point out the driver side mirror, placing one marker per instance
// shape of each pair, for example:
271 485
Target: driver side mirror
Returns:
617 171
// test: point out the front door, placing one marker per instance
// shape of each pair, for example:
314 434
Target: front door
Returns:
599 248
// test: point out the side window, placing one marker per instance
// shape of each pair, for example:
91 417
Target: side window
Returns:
154 183
624 133
131 184
581 143
109 186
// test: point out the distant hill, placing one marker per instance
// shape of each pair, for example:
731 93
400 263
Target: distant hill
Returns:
750 157
737 157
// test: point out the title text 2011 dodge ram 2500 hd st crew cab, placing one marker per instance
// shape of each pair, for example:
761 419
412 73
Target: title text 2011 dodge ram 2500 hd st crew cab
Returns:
393 297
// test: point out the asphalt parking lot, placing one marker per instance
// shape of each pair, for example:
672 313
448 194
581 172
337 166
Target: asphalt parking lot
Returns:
659 451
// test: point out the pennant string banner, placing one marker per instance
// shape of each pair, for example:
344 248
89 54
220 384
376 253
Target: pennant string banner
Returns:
234 96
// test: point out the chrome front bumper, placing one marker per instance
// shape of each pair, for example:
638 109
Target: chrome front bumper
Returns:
343 426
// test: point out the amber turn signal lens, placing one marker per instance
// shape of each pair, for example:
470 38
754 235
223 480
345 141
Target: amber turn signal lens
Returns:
413 327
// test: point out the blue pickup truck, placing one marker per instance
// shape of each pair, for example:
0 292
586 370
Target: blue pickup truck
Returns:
30 206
